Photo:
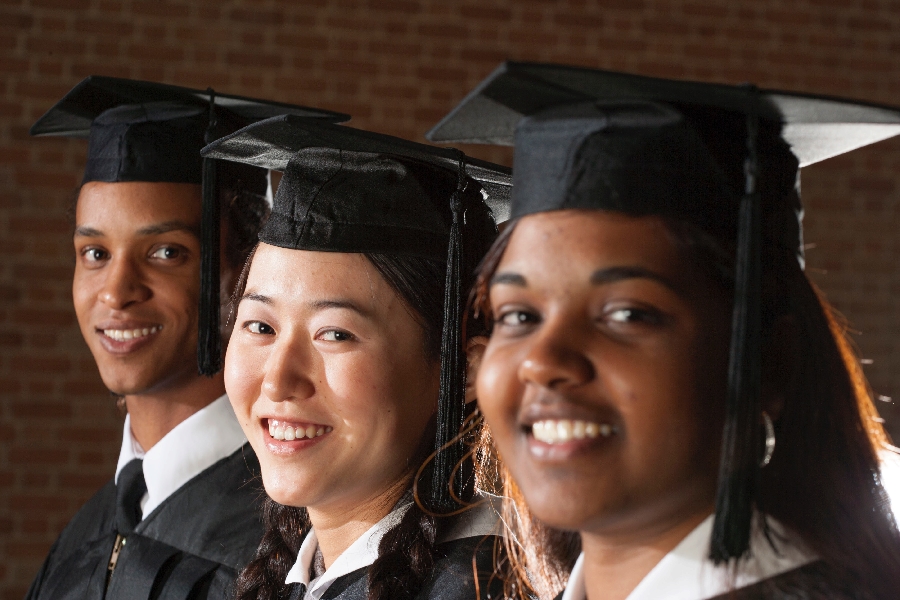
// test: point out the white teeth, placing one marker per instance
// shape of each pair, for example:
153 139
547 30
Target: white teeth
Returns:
120 335
280 431
560 431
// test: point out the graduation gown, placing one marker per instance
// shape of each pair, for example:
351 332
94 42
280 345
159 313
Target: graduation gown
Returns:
451 579
191 546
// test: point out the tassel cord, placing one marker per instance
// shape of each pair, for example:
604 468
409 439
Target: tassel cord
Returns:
209 346
738 470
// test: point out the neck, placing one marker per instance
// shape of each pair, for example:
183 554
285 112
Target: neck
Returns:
614 564
338 527
154 415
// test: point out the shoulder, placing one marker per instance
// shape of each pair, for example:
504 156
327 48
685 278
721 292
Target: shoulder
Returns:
69 568
94 520
465 570
216 515
813 581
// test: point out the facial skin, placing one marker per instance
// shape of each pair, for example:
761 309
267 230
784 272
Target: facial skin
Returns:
137 275
321 342
623 334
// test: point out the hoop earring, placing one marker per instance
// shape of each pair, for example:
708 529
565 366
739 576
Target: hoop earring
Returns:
770 440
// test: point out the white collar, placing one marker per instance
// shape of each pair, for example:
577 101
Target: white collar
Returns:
195 444
479 521
686 573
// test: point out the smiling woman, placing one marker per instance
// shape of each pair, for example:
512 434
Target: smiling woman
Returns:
661 377
346 367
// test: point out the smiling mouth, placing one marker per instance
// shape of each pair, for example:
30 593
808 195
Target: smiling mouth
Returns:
561 431
283 431
124 335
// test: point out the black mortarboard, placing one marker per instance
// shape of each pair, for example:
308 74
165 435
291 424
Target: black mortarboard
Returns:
348 190
145 131
723 157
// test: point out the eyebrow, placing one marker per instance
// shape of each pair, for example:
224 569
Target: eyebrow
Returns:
509 279
614 274
256 298
339 303
155 229
598 277
315 304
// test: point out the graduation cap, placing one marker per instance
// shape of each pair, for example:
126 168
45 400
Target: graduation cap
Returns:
349 190
723 157
145 131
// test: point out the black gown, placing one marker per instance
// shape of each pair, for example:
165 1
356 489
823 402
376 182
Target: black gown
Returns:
451 579
191 546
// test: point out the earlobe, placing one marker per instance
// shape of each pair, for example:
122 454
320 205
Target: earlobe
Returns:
475 348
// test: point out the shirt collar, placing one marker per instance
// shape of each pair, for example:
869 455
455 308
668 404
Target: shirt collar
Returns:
361 553
481 520
686 573
203 439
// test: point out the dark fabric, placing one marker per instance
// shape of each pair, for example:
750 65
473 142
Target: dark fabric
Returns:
342 201
191 546
818 127
646 158
814 581
147 142
451 579
130 488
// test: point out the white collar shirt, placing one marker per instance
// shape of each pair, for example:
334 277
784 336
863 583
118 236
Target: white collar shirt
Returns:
479 521
197 443
686 573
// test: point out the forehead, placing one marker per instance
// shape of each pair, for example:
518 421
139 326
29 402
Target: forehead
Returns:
302 276
573 244
128 205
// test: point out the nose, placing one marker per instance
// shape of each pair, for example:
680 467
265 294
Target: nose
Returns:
123 285
287 371
556 358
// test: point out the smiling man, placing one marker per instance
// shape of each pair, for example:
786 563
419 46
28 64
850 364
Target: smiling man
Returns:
160 237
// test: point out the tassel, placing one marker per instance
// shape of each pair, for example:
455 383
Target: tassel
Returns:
209 340
448 446
739 466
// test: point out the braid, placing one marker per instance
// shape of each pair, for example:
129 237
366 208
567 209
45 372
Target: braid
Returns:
263 578
405 557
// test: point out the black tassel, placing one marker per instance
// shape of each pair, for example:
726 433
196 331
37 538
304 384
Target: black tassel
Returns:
739 466
452 400
209 341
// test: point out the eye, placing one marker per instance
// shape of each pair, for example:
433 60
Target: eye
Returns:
517 318
259 327
335 335
635 315
94 254
166 253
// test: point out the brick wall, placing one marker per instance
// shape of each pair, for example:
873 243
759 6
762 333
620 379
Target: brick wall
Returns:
397 66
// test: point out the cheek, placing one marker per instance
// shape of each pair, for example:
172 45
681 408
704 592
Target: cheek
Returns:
499 393
243 377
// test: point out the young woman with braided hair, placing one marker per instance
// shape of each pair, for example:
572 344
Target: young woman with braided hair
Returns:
346 367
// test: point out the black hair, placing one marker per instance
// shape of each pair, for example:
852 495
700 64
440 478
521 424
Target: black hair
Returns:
407 552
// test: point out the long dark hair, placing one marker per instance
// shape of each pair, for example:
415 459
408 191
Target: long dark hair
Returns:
407 552
823 482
